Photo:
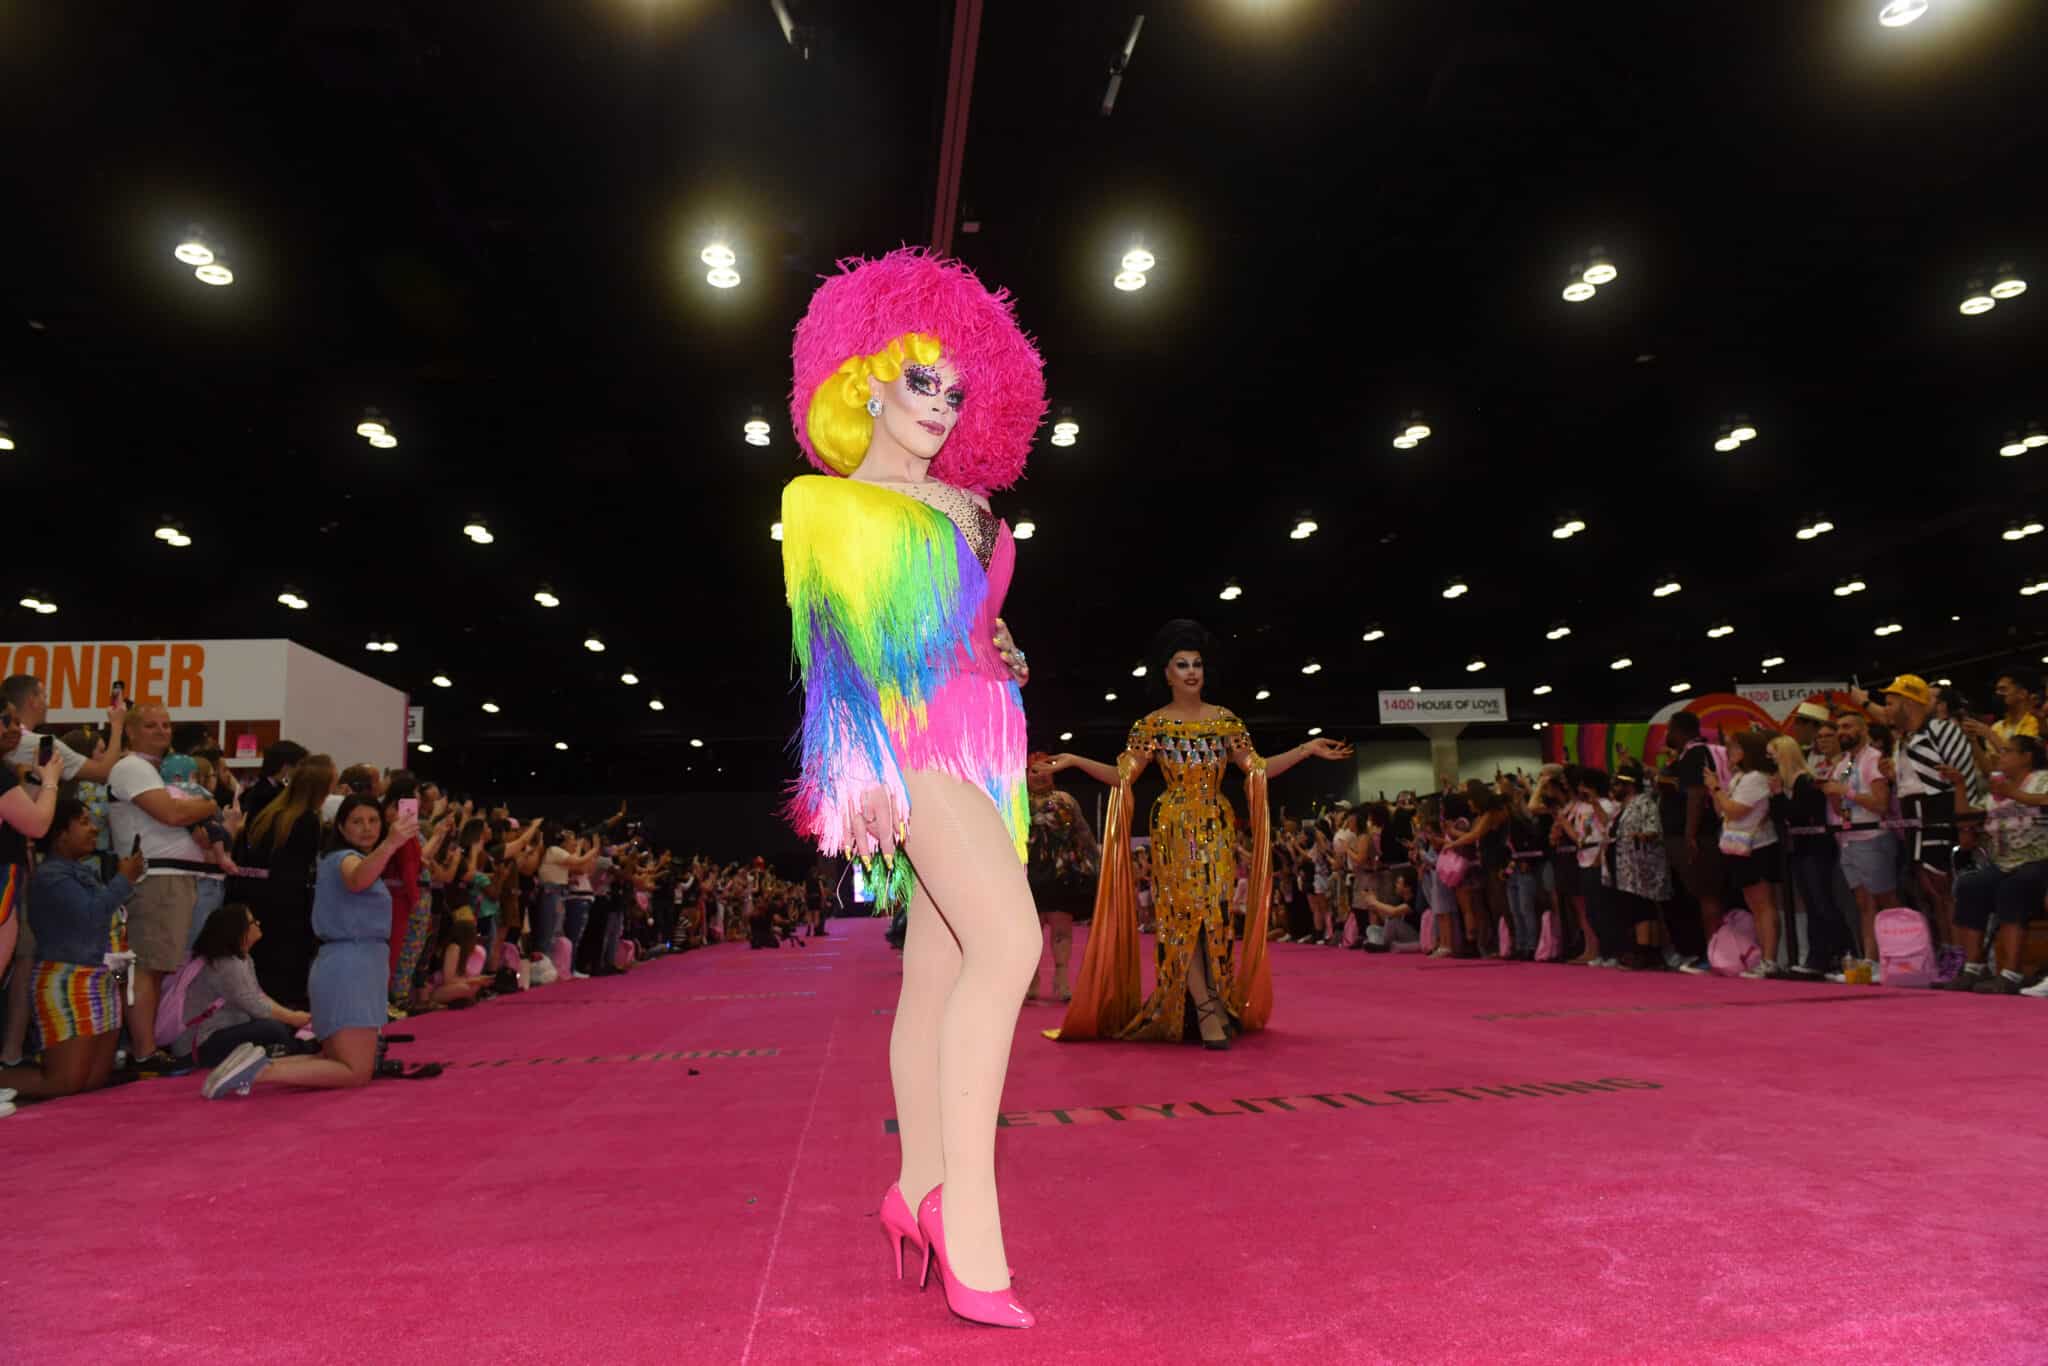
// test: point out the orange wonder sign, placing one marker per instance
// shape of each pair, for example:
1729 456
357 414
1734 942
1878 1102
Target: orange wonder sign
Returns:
82 677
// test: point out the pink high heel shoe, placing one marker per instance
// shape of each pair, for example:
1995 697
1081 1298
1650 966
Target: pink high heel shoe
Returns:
899 1225
997 1308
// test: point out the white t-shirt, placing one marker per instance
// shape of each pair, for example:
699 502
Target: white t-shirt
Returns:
131 777
1591 841
554 867
1753 790
331 808
25 753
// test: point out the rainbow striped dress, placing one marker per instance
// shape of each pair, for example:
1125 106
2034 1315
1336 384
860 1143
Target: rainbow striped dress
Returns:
892 618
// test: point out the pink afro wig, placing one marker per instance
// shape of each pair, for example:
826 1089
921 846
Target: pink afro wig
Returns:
869 304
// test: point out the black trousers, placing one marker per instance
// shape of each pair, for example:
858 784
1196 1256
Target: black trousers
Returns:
274 1035
1813 884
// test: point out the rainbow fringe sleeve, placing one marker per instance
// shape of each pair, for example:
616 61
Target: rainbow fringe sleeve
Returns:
881 620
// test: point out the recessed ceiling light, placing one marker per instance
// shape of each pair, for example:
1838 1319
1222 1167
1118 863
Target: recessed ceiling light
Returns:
1373 633
1475 665
1848 587
424 748
384 441
1304 527
775 531
491 707
594 645
1405 443
1109 697
1066 427
1417 431
655 704
1621 663
1600 273
1414 687
1138 672
1727 443
1062 440
1899 13
46 608
2034 439
6 441
31 603
1540 690
2013 448
718 256
722 278
1975 304
1743 431
1065 736
193 252
1231 592
1666 588
2009 286
1890 628
546 598
756 427
215 274
1129 281
1773 661
1456 588
1311 667
1578 291
630 680
1681 686
1262 694
443 681
1315 730
1719 629
1557 632
168 532
1139 260
561 744
371 426
1024 530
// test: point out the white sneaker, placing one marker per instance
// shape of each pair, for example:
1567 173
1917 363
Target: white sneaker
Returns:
580 976
1837 978
7 1093
1696 967
6 1108
2039 991
1754 973
236 1071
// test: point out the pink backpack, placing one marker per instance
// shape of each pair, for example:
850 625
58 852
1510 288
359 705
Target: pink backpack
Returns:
1429 931
473 966
1905 953
1733 950
1719 755
1548 950
1451 867
172 1020
1507 939
561 951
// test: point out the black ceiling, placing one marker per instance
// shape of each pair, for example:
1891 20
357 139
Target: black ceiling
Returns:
483 219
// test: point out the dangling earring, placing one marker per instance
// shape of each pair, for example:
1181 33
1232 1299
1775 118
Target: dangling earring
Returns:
874 407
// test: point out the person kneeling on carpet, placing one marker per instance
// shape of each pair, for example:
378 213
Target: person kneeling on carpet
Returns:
1389 920
453 984
352 920
224 1008
77 997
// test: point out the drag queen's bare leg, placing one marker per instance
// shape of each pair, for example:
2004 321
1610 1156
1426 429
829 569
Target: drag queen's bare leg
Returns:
931 965
966 863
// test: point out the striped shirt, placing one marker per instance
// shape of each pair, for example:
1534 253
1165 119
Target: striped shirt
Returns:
1938 744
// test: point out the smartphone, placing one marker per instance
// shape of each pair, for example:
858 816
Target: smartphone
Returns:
137 848
120 691
46 750
409 809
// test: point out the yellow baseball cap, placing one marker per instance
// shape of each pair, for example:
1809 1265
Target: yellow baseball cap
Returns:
1913 688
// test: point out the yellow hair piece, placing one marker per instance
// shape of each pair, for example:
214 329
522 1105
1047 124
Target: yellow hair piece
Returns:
838 422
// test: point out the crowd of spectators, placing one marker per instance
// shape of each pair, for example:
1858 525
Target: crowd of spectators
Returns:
1909 799
157 916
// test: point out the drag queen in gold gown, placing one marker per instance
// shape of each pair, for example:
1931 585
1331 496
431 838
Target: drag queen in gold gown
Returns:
1194 834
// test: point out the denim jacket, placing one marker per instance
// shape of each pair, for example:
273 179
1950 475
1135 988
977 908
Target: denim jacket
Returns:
72 912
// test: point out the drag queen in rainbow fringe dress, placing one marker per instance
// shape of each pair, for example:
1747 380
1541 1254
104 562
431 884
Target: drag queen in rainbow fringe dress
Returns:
917 395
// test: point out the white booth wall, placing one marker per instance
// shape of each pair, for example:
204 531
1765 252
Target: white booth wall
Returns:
331 709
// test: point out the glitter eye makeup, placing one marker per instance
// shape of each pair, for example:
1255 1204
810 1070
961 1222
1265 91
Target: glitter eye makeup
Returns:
921 379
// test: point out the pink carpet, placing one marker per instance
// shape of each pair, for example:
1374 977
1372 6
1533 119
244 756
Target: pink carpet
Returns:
1419 1162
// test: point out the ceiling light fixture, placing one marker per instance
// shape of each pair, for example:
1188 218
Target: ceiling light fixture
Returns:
1024 529
215 274
1667 588
1109 697
1541 690
2019 531
423 747
545 596
1848 587
491 707
1418 431
1262 694
1475 665
1975 300
1566 529
1405 443
1742 430
2035 437
2009 286
1231 592
1138 672
1304 527
1129 281
1680 687
630 679
1772 661
371 425
2013 446
478 532
1890 628
1139 260
1558 631
721 259
655 704
561 744
6 441
1312 667
756 431
1601 272
1065 736
775 531
1727 443
1374 632
2030 589
1414 687
442 681
290 598
1899 13
1720 630
1456 588
1621 663
193 252
384 441
593 644
1578 291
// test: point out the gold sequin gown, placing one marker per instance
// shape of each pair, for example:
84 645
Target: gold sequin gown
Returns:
1194 871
